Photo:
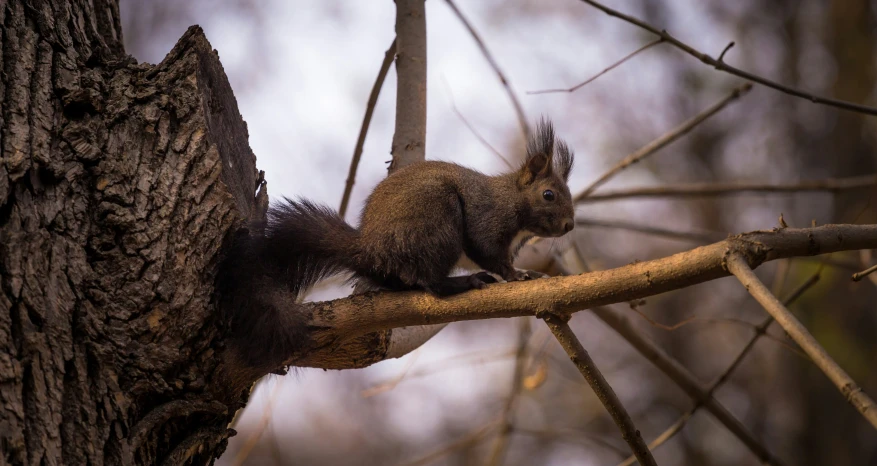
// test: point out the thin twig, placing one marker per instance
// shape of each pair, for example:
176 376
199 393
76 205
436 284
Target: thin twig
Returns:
831 185
760 331
738 266
469 440
606 70
727 320
579 356
571 436
519 110
664 140
366 121
409 137
860 275
500 445
722 66
436 367
838 263
394 382
472 128
697 236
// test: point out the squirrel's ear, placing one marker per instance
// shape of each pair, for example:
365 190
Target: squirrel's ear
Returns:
563 160
540 151
537 166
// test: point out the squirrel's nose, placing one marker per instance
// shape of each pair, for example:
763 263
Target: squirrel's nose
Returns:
568 225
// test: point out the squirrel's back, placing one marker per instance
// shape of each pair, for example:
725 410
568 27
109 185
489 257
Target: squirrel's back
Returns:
416 225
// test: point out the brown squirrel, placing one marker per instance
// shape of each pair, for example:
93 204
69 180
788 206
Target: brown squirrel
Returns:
417 225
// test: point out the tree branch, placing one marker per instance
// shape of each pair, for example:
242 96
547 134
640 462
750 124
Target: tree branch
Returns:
703 236
860 275
722 66
579 356
519 110
664 140
605 70
350 317
683 379
739 265
366 121
831 185
760 331
409 139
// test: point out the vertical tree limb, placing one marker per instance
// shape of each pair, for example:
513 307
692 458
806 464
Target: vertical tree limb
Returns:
409 140
586 366
738 266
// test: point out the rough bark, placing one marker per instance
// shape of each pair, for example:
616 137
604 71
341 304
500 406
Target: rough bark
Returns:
118 184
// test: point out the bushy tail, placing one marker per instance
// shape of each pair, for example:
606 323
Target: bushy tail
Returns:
305 243
270 266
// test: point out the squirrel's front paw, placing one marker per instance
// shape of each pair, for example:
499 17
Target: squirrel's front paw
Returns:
522 274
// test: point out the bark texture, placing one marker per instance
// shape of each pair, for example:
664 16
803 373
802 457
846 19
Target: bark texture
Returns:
118 184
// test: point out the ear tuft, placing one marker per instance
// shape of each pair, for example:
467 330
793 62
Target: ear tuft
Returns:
542 139
542 144
563 160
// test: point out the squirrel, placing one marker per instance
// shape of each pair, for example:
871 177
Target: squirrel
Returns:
417 225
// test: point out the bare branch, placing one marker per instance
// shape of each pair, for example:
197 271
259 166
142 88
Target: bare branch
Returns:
664 140
684 380
831 185
472 128
579 356
472 439
409 139
357 315
760 331
366 121
606 70
860 275
697 236
499 449
739 266
722 66
519 110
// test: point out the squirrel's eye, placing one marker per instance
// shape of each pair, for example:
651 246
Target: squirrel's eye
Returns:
548 195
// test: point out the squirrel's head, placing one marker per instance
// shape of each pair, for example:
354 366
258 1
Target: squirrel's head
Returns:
542 181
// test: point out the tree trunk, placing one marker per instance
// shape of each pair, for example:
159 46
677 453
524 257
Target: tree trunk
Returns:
119 183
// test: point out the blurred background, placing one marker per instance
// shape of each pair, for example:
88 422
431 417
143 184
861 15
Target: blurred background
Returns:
302 72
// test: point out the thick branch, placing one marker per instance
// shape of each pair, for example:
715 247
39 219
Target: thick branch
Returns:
738 265
722 66
409 140
356 315
579 356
